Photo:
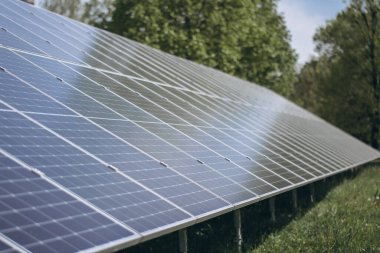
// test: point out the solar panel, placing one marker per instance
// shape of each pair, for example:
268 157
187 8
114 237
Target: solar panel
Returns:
105 143
37 216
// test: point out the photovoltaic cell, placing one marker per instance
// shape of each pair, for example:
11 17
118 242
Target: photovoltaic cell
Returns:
214 160
180 161
42 218
10 40
258 148
139 166
257 141
41 43
50 85
162 108
3 107
193 99
94 90
85 176
25 98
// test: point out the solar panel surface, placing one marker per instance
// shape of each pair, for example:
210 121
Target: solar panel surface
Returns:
105 142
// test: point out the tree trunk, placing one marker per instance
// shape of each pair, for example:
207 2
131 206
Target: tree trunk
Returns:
374 77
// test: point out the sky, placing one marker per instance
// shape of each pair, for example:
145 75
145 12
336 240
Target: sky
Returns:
303 17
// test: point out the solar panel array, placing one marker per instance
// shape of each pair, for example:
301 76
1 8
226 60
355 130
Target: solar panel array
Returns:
105 142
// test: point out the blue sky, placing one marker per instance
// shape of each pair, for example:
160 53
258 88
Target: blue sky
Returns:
303 17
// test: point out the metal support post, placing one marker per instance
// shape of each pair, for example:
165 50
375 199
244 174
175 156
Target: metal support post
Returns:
312 193
272 209
182 234
239 237
295 199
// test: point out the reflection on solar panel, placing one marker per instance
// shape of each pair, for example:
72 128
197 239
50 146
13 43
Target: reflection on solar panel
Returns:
105 142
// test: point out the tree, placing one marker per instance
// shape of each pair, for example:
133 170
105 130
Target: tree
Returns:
69 8
305 88
346 75
367 14
244 38
93 12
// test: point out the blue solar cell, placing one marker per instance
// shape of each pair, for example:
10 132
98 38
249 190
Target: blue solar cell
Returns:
85 176
52 86
66 42
218 162
4 107
95 90
25 98
127 103
28 214
159 106
10 40
37 41
132 162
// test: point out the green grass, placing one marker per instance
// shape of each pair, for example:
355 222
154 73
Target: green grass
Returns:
346 220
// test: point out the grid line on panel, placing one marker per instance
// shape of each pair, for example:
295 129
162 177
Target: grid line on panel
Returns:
221 115
175 164
158 101
189 112
277 159
307 136
51 85
34 202
274 124
205 154
309 139
190 137
112 158
131 145
102 47
79 165
61 41
134 97
108 71
199 143
166 108
305 150
277 145
96 158
16 93
7 39
59 186
318 154
42 44
94 91
99 33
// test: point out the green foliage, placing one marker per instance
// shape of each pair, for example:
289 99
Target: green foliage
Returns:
93 12
306 88
342 85
244 38
347 220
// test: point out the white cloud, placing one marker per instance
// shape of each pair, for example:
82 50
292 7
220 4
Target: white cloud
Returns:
302 25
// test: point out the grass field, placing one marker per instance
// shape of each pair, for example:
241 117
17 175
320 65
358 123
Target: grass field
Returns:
347 219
